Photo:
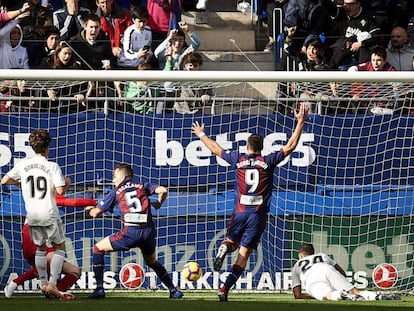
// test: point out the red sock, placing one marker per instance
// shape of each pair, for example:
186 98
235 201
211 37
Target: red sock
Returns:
28 275
67 282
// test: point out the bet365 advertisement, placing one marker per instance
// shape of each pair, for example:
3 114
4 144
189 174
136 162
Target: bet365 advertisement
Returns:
347 188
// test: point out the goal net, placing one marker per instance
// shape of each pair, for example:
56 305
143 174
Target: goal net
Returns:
347 188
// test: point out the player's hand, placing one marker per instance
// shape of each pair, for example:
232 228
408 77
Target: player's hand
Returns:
88 208
94 212
196 128
302 115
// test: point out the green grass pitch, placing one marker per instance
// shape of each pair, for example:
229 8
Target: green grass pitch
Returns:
195 301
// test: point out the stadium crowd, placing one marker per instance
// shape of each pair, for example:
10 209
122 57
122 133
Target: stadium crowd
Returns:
122 34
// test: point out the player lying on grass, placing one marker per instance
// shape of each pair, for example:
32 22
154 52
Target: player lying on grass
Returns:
133 200
70 271
324 279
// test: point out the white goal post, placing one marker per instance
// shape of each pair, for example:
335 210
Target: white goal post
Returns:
348 188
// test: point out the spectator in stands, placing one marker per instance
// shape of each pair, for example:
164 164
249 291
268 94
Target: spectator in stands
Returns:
12 54
307 19
145 96
164 16
41 51
94 51
114 20
269 6
170 54
6 16
400 52
34 25
200 96
137 41
359 35
378 62
175 48
70 19
92 45
64 58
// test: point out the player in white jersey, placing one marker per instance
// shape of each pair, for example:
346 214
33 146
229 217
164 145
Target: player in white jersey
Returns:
323 279
40 181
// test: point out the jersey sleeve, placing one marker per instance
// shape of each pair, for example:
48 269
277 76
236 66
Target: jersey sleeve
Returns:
57 176
230 157
108 202
275 158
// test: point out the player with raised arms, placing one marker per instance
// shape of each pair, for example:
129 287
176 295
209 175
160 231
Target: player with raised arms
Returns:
254 184
138 230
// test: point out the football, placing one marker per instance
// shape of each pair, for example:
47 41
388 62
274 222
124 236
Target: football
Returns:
191 271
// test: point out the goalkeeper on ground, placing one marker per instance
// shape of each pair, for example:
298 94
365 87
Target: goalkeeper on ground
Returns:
323 279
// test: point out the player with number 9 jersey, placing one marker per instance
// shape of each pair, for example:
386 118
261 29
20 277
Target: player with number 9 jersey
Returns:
254 185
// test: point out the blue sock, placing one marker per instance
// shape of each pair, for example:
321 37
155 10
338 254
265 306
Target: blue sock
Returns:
98 266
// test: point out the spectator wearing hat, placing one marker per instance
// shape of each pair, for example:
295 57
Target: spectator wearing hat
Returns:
41 51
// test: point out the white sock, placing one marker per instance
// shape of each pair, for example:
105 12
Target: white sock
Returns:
56 265
41 266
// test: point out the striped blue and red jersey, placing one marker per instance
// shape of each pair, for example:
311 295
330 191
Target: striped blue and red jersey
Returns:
254 179
133 202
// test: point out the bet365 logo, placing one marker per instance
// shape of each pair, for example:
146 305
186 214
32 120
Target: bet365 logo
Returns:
385 276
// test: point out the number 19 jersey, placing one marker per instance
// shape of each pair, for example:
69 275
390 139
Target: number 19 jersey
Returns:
39 179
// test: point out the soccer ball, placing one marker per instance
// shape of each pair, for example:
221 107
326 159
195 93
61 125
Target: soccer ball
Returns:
191 271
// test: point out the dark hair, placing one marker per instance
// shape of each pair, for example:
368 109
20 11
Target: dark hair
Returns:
126 168
39 140
194 58
144 66
315 42
306 249
140 13
255 142
56 63
380 51
51 30
92 17
179 33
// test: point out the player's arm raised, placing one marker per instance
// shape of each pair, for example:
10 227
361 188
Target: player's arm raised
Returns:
301 116
213 146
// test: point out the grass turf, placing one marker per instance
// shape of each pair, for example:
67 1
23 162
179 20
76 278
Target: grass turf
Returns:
119 301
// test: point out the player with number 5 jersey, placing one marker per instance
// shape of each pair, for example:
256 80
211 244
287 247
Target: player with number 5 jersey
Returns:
40 180
254 185
133 199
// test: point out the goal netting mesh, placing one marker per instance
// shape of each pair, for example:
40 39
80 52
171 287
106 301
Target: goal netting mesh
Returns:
347 188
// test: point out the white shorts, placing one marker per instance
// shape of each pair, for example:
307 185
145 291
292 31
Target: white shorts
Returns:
321 283
53 233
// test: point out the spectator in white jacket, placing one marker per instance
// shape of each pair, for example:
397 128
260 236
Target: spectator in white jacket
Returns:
12 54
400 51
